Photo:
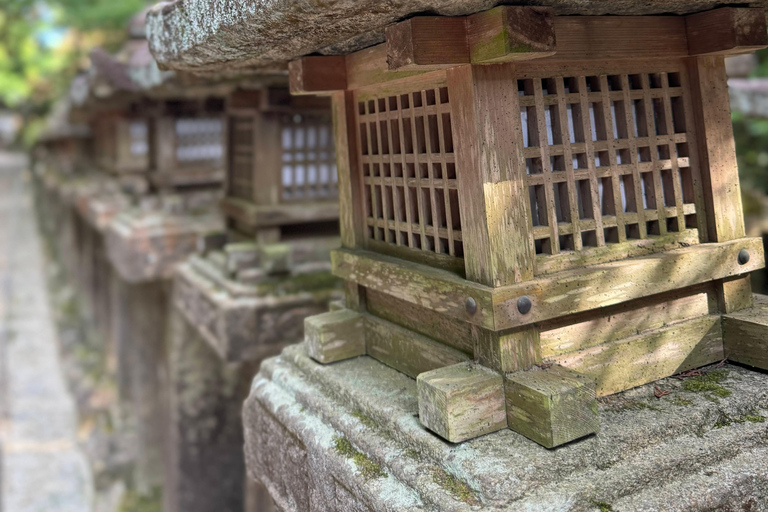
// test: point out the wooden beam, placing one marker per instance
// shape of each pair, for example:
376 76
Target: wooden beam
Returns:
745 335
461 402
551 406
278 214
555 295
508 33
405 350
649 356
317 75
598 286
427 42
726 31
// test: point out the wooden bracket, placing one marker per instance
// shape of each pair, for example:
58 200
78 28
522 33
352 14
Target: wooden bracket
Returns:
317 75
335 336
504 33
745 335
726 31
551 406
462 401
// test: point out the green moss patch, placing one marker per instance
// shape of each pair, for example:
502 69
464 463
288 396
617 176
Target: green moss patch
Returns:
724 420
709 385
364 419
367 468
457 488
603 506
133 501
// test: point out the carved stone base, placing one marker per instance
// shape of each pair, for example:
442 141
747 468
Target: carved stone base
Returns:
346 437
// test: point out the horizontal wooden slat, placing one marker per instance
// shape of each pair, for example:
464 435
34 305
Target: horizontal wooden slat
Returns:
555 295
649 356
278 214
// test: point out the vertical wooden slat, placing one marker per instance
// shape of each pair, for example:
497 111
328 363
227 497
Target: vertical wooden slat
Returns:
658 192
675 170
351 216
495 211
568 161
629 120
590 149
608 120
546 166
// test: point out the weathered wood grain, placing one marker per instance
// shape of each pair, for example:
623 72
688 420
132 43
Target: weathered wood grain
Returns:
651 355
407 351
561 336
335 336
317 74
745 335
510 351
461 402
726 31
427 42
511 33
551 406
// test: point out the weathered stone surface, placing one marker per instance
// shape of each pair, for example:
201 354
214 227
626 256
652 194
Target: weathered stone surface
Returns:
146 246
205 35
314 431
255 324
205 466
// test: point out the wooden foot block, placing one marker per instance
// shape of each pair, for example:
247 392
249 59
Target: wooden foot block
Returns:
335 336
551 406
462 401
745 335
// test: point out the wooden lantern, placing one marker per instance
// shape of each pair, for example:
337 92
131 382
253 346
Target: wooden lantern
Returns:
281 168
121 142
554 198
187 140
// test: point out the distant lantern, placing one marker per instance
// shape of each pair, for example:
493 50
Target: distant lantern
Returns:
556 198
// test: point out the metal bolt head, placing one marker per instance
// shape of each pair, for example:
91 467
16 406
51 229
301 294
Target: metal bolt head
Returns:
743 257
471 306
524 305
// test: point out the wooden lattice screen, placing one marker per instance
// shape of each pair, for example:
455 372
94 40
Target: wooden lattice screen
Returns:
308 158
241 158
199 141
609 158
139 133
408 172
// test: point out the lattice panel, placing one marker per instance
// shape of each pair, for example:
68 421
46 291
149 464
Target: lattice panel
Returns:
139 133
409 171
241 159
608 158
199 141
309 162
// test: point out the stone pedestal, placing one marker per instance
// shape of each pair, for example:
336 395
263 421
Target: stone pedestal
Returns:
143 247
346 437
223 326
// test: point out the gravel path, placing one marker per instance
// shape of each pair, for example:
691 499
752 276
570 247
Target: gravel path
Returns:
41 466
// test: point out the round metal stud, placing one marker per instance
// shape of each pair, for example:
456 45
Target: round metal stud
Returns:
743 257
471 306
524 305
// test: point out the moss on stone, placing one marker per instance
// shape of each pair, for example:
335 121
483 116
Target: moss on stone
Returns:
411 454
364 419
309 282
709 384
368 469
456 487
724 420
682 402
603 506
133 501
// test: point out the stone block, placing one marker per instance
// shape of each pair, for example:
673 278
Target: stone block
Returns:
335 336
462 401
551 406
241 256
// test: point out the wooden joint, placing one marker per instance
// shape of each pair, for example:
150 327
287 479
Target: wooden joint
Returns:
745 335
726 31
461 402
317 75
504 33
405 350
335 336
551 406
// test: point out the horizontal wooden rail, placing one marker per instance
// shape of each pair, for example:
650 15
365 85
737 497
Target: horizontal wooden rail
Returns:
257 216
556 295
